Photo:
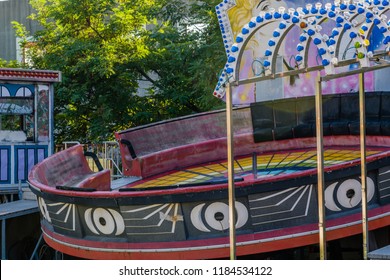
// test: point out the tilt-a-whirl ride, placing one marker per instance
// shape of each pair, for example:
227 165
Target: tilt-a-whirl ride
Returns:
173 200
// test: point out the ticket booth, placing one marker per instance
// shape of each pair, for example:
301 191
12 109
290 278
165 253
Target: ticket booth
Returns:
26 123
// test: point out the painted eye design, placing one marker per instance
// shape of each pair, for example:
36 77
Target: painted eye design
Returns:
264 5
216 216
347 194
104 221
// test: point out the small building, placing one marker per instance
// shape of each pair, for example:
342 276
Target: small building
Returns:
26 123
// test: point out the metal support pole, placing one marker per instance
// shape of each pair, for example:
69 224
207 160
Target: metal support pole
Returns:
320 169
230 153
362 107
254 165
34 253
3 240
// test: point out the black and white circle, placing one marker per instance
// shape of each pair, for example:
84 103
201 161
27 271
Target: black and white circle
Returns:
347 194
104 221
215 216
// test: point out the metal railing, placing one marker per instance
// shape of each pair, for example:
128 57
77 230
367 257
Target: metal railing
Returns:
107 152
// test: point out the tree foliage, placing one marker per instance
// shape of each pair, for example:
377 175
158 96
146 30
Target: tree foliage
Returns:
9 64
186 52
107 49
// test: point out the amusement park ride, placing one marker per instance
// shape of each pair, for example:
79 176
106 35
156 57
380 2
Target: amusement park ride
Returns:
266 176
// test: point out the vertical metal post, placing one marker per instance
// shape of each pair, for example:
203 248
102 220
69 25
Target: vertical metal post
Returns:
3 240
36 114
230 154
51 118
362 108
320 169
254 165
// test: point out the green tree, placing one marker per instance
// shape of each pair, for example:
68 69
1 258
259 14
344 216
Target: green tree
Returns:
186 53
9 64
104 48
